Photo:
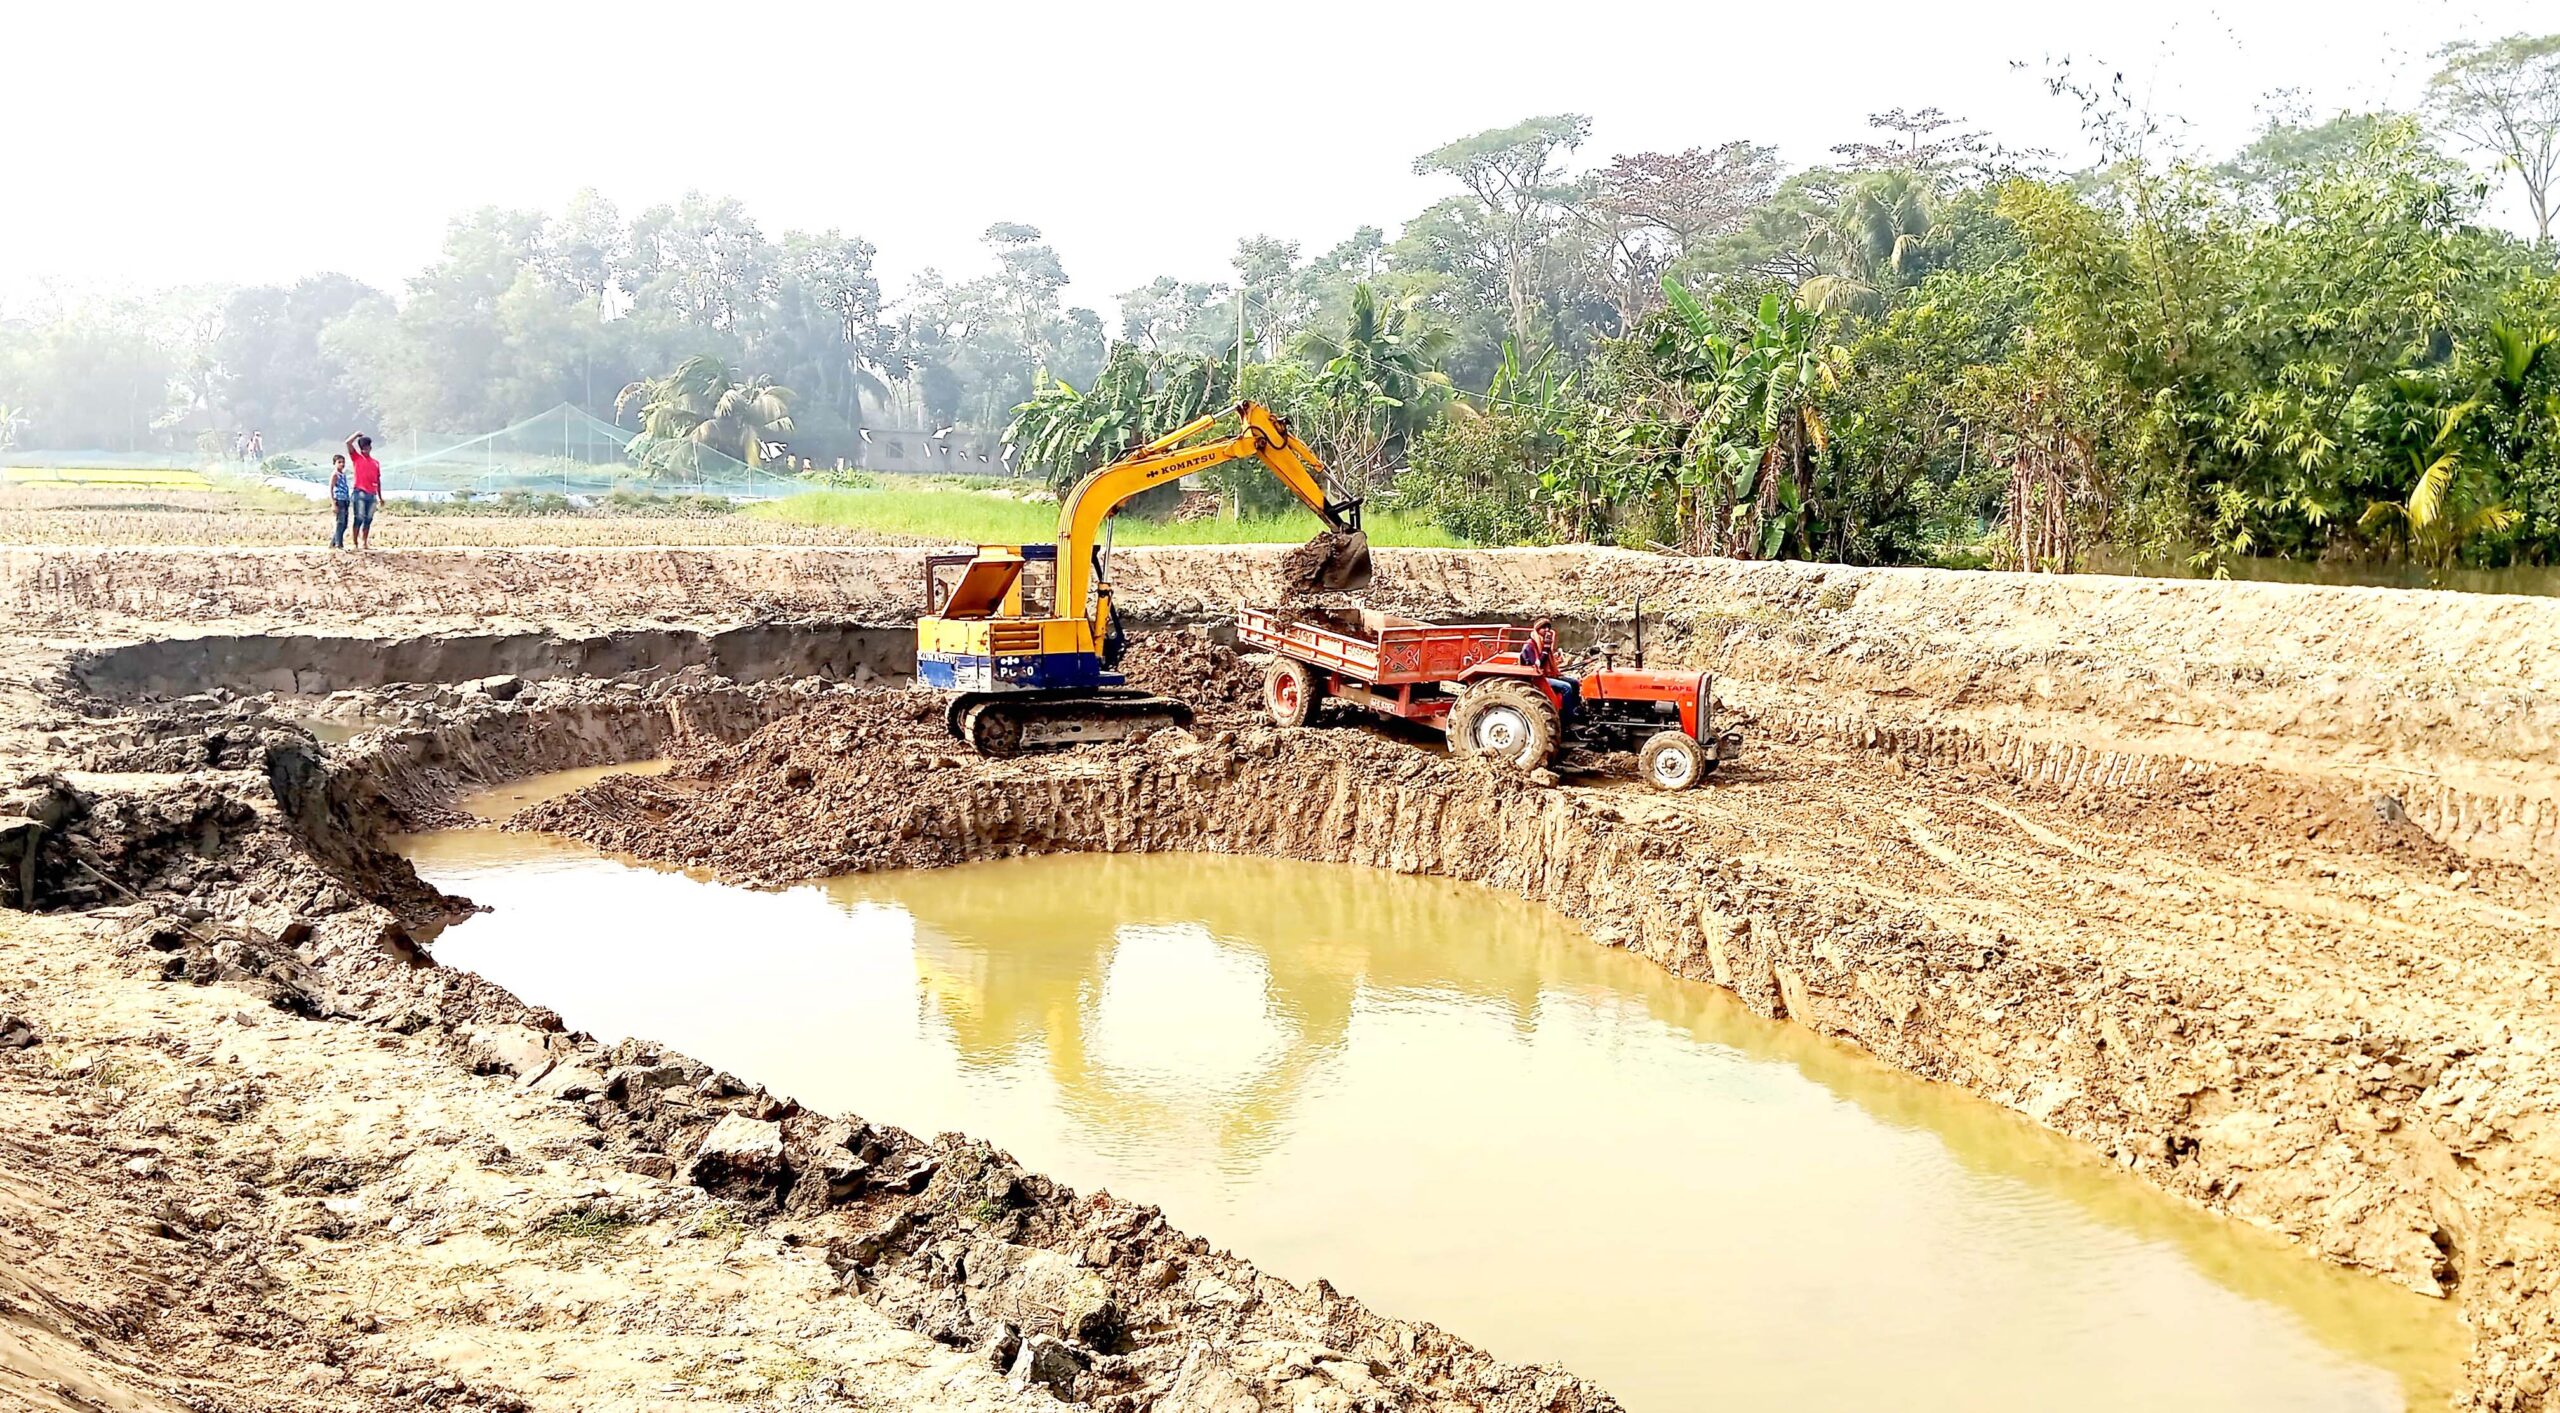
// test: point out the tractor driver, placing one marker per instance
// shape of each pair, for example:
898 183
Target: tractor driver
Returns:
1540 654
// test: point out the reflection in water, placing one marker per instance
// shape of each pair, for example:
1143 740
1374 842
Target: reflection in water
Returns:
1450 1103
501 801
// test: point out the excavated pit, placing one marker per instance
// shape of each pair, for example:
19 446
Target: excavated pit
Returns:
2213 1082
2247 890
1396 1082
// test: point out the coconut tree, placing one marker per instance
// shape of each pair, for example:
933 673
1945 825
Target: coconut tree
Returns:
705 403
1870 245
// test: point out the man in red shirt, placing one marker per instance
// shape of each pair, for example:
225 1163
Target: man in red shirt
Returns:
368 488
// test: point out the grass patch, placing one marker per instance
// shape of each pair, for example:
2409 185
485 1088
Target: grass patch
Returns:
250 494
585 1225
717 1222
161 478
969 517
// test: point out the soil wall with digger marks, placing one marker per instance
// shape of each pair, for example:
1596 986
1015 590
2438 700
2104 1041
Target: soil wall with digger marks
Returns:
267 876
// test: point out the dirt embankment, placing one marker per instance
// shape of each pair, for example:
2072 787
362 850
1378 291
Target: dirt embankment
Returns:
2448 702
295 1164
2257 991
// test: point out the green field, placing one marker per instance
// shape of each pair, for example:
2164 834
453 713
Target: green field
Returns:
978 517
157 478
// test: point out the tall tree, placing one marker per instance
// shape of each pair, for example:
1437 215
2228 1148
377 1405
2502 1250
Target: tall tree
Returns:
824 334
701 261
1870 245
2503 98
1266 269
1927 142
588 249
273 373
2292 148
1648 211
1167 315
1515 173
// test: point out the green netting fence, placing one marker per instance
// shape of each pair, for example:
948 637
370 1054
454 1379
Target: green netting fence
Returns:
565 451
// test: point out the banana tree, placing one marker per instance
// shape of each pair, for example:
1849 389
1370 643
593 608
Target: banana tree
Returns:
1756 450
1379 384
1063 434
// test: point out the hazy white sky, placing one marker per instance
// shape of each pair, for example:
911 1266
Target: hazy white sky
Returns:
159 144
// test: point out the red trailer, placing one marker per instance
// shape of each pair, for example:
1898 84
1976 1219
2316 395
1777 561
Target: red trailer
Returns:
1467 679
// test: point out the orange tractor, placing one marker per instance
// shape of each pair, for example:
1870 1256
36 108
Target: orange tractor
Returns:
1469 680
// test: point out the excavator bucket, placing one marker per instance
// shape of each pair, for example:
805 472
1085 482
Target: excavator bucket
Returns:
1334 559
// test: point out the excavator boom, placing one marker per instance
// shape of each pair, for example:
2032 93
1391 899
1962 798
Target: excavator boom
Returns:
1345 563
1030 674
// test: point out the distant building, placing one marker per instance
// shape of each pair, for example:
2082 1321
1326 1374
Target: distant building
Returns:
926 453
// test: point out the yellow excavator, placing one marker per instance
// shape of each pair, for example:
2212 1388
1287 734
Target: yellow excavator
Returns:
1024 636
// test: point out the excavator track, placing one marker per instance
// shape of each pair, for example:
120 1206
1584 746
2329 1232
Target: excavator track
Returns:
1009 723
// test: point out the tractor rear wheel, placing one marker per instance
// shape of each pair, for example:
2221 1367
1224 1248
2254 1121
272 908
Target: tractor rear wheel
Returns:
1290 693
1673 760
1509 722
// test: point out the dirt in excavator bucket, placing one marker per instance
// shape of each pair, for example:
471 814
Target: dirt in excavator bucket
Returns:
1334 559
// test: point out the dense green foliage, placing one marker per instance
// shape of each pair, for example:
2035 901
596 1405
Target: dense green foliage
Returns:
1930 350
961 516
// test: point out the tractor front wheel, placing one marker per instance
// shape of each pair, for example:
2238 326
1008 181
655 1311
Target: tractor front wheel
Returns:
1290 693
1673 760
1510 722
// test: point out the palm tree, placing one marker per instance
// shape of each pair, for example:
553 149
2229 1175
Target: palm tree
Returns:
1870 243
2456 491
705 403
2452 499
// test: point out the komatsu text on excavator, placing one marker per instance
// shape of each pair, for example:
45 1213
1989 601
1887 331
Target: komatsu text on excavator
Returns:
1024 636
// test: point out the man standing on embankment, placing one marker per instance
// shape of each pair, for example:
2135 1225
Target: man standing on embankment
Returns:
368 494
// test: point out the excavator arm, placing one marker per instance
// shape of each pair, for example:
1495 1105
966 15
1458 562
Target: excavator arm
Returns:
1167 458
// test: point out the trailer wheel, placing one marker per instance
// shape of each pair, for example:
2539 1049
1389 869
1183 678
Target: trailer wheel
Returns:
1505 721
1672 760
1290 693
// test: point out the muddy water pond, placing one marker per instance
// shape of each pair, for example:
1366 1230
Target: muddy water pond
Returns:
1456 1107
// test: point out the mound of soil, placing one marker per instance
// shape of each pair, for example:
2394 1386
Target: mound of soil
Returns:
1193 667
